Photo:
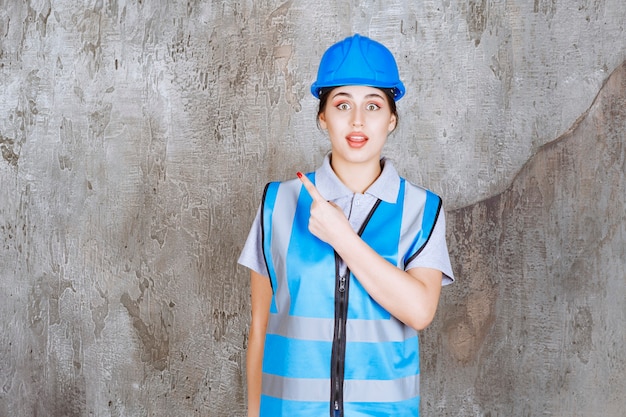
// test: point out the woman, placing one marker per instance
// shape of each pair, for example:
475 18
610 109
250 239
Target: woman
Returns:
347 263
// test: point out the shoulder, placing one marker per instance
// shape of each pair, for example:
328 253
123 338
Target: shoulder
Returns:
412 190
277 191
290 184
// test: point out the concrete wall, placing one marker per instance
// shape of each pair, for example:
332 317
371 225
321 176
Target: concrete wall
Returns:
136 137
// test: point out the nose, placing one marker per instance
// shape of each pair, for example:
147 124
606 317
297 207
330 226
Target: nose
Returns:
357 119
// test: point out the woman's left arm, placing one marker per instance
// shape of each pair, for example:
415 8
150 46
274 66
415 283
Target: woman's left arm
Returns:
410 296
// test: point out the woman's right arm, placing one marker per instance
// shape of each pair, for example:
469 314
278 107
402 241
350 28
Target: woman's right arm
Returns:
261 292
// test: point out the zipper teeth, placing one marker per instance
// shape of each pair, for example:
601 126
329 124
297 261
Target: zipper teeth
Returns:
340 344
339 339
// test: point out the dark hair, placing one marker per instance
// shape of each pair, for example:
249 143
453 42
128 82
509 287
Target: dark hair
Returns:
323 93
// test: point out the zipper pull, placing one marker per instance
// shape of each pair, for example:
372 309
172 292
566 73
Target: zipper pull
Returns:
342 283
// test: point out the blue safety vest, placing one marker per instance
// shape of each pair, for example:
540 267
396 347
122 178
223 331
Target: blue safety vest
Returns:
330 349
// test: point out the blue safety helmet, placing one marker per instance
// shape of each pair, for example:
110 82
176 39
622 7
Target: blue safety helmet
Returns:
358 60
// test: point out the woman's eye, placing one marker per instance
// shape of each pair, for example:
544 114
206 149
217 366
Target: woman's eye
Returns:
372 106
343 106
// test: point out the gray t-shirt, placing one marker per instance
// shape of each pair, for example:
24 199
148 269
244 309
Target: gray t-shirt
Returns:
356 207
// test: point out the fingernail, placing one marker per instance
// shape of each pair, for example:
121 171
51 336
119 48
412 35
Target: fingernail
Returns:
299 174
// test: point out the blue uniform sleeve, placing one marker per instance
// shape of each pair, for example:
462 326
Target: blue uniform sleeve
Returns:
435 254
252 253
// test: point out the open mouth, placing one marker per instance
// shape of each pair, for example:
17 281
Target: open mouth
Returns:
356 140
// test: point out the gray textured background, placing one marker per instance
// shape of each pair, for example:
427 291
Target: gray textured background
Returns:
136 137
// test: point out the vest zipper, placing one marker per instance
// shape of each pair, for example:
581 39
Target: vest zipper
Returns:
338 358
339 341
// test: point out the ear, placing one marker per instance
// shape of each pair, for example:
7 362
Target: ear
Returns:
322 121
392 123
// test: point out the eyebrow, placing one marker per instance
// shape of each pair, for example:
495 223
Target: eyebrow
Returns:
372 95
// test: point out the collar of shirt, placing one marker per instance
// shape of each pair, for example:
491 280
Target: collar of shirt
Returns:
386 186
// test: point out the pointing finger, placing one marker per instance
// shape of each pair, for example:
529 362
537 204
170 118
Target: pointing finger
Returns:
310 187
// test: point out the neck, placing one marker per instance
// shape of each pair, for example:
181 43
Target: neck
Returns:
356 176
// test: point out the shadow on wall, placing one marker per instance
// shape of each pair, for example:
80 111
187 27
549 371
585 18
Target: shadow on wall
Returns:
538 310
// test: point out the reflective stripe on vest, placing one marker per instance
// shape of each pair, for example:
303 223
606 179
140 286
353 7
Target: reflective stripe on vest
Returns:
382 354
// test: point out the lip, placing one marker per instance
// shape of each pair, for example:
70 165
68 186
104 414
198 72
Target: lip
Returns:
357 139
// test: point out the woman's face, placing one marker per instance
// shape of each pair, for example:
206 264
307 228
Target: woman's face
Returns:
358 120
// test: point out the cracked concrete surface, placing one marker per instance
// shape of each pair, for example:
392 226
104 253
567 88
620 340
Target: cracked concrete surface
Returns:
136 138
